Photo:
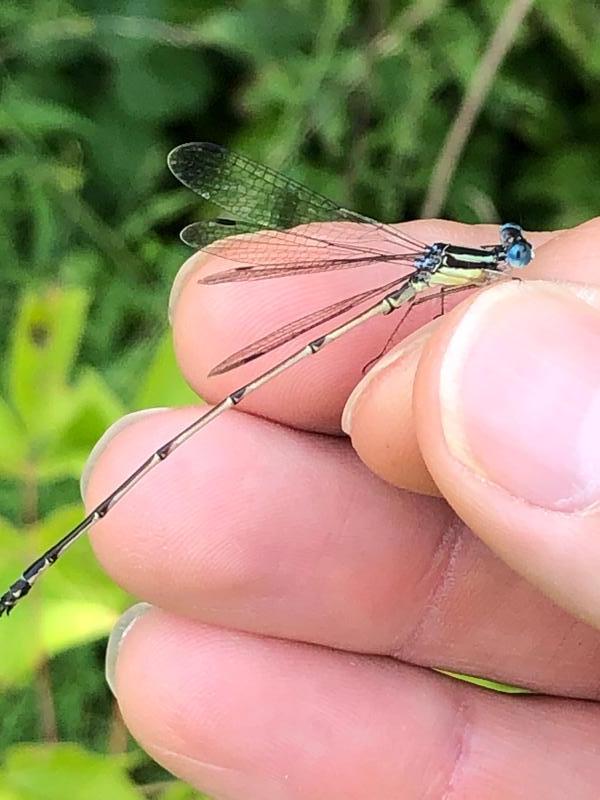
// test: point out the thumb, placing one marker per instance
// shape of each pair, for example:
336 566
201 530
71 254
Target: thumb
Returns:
506 407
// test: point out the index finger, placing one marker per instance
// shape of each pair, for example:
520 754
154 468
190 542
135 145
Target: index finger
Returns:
210 322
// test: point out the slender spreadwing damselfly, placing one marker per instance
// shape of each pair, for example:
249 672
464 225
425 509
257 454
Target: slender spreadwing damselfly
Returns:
290 239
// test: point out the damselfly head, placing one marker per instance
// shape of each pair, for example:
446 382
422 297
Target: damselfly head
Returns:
518 251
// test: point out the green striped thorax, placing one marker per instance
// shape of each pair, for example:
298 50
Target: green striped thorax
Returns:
455 265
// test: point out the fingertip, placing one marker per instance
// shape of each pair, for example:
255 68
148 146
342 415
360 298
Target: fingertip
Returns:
121 629
194 264
378 417
569 255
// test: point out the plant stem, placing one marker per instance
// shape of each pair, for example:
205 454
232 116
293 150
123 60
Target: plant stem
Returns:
475 97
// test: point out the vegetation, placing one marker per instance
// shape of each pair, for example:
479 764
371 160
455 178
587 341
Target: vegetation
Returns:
356 98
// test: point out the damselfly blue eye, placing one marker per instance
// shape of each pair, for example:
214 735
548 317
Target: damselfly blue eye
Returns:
519 255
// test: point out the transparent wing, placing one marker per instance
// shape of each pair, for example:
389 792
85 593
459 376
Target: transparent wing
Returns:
300 268
208 231
265 200
290 252
293 329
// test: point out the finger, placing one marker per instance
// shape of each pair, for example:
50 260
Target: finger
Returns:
212 322
378 415
239 716
257 527
523 467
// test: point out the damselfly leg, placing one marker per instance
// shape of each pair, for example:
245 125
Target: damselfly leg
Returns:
391 340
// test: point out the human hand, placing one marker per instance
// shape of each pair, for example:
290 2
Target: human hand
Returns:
298 599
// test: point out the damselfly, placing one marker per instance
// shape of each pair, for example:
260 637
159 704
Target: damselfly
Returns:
276 209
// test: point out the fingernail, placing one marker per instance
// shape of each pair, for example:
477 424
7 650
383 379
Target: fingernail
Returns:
118 633
190 266
104 440
520 392
408 346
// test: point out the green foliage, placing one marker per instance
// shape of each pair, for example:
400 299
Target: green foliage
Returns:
485 683
53 773
43 772
353 96
49 423
53 423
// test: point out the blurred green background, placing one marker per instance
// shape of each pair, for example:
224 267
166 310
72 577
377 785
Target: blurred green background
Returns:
355 98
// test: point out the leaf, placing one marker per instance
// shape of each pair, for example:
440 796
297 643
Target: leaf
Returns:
79 578
59 771
13 443
578 27
46 225
74 603
70 623
179 791
45 339
485 683
21 649
92 408
19 112
163 385
162 208
6 793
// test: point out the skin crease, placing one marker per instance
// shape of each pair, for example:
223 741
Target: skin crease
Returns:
299 597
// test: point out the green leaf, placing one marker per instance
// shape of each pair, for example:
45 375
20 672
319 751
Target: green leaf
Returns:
163 384
20 645
78 578
70 623
577 26
92 408
46 336
6 793
74 603
13 443
19 112
179 791
60 771
162 208
485 683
